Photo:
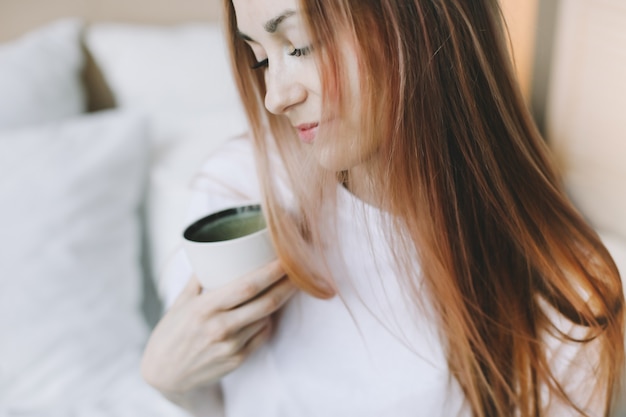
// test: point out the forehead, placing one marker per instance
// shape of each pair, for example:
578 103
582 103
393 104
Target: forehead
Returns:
253 15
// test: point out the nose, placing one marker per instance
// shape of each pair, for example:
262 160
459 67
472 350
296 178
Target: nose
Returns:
283 91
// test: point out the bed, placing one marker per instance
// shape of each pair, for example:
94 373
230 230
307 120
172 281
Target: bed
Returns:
107 109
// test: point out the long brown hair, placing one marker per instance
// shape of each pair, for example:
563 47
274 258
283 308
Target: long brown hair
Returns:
470 187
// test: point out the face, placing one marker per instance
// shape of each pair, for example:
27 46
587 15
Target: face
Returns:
275 31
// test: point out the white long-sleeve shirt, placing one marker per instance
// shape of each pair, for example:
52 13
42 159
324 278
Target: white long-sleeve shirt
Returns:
366 352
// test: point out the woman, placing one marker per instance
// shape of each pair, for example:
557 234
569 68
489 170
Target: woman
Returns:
441 269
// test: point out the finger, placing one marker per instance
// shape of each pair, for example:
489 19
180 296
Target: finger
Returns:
246 288
248 332
233 361
193 286
235 343
260 307
256 341
191 290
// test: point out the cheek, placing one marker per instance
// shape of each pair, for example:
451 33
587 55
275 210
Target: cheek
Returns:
311 78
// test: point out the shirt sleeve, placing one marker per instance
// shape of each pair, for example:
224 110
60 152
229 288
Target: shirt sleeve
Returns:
575 366
227 178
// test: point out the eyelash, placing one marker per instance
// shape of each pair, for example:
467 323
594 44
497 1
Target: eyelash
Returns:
297 52
260 64
300 51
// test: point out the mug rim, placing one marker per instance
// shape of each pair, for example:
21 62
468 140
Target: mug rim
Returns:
193 227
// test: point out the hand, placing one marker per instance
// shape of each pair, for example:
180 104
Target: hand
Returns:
206 335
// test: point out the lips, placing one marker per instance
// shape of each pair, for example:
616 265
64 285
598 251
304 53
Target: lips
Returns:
307 132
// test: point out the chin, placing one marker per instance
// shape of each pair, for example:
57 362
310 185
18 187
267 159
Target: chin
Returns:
333 160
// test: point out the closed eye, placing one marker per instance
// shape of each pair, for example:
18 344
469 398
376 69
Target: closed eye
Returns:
296 52
261 64
300 51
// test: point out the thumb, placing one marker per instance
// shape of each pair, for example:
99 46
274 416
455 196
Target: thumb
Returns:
191 289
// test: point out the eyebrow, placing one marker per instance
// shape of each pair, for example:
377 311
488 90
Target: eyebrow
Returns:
271 26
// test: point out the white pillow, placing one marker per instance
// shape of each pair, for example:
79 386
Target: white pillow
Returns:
40 75
182 68
69 258
180 78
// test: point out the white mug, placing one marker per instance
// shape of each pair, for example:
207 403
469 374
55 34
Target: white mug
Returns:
220 250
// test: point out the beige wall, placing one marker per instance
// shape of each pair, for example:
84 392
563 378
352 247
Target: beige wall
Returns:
586 115
17 16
